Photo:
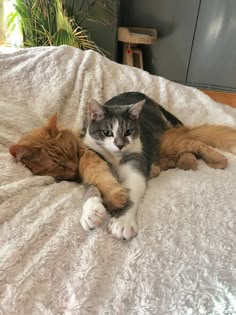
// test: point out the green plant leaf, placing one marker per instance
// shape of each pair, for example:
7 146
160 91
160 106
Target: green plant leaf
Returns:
46 23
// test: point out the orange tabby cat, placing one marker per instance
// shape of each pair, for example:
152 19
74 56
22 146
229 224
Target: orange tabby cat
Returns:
180 147
59 153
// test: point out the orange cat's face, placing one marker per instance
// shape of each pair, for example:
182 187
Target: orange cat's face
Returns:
49 151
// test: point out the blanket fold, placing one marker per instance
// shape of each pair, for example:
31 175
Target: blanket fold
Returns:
183 260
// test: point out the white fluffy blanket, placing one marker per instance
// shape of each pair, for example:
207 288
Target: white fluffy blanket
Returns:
183 260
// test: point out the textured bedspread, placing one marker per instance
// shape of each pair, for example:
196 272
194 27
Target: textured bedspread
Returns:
183 260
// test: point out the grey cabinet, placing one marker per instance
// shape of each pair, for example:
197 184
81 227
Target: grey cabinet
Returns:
175 22
213 58
197 44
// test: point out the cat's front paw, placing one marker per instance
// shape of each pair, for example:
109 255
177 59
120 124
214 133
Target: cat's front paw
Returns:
116 199
93 213
124 227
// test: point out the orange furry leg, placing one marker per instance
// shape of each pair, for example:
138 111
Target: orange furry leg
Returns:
179 149
166 163
96 171
155 171
187 161
211 157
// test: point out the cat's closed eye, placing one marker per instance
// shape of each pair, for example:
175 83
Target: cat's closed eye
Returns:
107 133
128 132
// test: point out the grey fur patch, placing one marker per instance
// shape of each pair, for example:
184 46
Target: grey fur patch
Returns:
139 161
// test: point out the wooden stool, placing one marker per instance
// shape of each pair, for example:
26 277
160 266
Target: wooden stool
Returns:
131 37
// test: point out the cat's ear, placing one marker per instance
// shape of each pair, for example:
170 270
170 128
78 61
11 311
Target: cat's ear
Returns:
135 110
52 125
25 152
95 110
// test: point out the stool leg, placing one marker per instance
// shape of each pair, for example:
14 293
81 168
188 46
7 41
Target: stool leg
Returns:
141 59
127 57
137 57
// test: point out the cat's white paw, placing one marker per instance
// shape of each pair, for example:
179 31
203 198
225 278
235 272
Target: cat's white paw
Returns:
93 213
124 227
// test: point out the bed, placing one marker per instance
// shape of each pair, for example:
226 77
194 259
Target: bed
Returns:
183 260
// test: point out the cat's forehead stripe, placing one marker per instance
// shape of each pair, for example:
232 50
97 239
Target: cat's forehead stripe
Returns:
119 125
115 126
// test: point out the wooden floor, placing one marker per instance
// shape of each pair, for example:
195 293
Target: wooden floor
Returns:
222 97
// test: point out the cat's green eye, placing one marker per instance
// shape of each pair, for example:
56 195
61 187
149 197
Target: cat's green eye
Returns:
107 133
128 132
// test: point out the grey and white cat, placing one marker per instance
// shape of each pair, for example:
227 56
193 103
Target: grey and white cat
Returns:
126 131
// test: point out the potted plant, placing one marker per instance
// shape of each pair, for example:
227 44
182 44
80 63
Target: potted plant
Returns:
54 23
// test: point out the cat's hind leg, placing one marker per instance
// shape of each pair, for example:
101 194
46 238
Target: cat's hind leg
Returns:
210 156
187 161
93 211
214 159
180 149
